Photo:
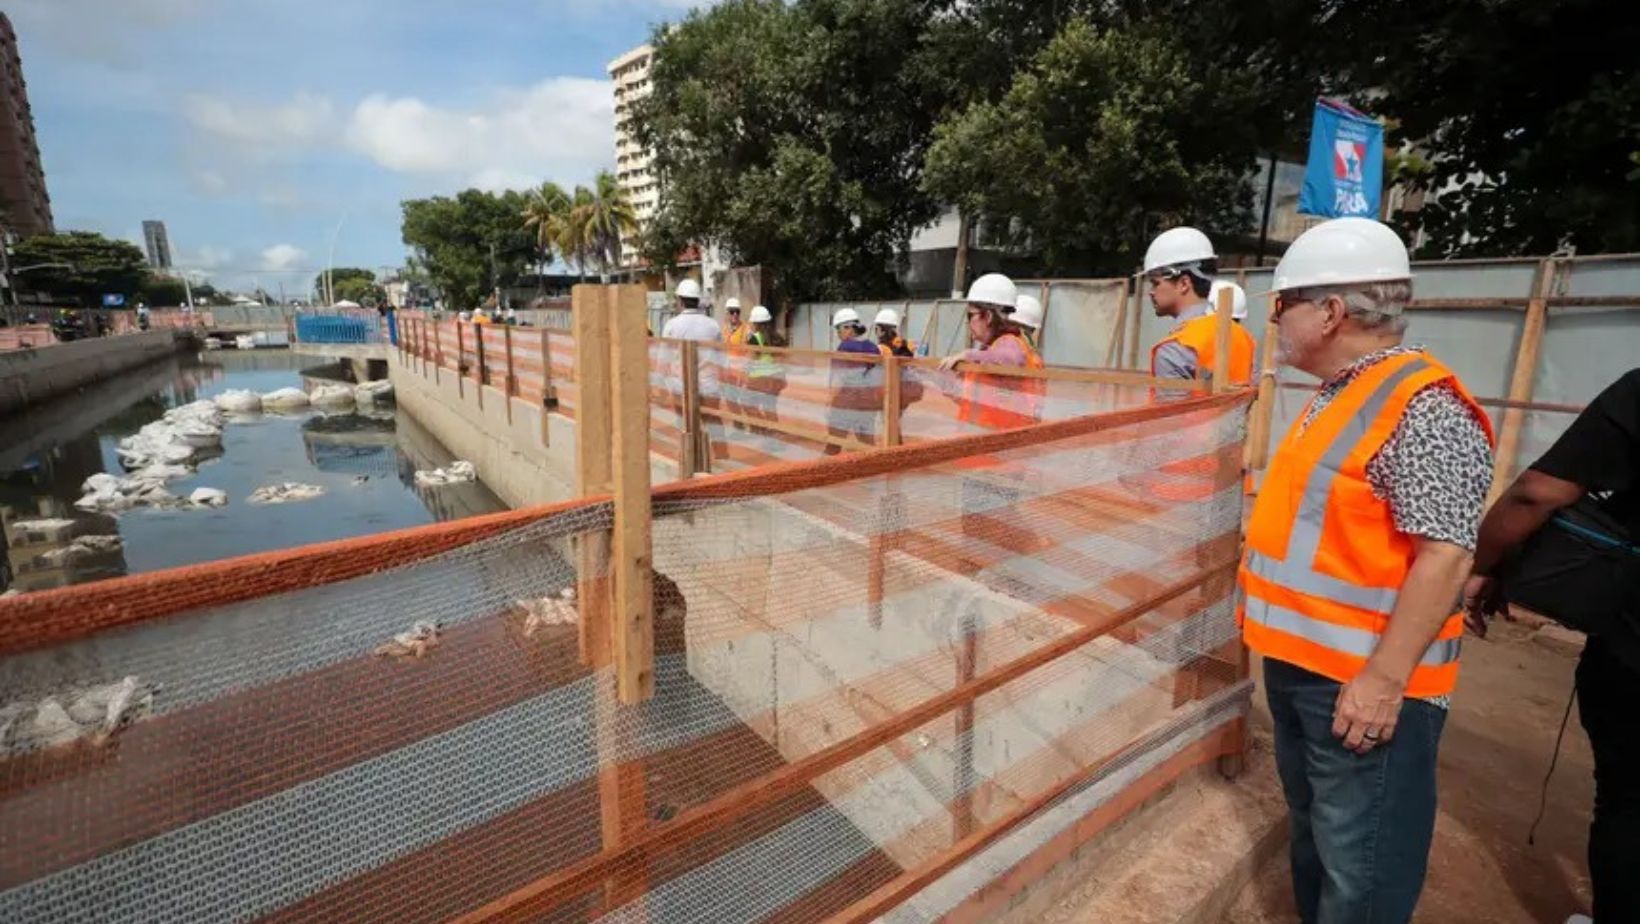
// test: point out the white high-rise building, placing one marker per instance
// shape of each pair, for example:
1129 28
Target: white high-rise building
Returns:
633 164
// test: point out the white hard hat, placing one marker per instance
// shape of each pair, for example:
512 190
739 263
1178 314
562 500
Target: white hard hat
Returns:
888 317
1029 312
689 288
1238 298
733 304
1340 251
845 316
760 315
994 289
1177 246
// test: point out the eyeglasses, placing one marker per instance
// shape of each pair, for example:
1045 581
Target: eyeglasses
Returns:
1285 301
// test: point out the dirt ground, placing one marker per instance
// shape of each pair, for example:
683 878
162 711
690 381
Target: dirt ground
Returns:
1494 754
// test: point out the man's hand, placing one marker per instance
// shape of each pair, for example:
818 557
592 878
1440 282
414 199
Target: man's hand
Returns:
1482 599
950 362
1367 709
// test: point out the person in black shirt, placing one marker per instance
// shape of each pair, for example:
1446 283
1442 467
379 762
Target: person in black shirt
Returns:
1599 455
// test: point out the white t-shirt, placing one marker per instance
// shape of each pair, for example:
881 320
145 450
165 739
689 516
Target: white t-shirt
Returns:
692 325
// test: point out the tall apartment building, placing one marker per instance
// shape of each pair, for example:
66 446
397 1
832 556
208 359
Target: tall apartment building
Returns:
157 243
633 164
25 208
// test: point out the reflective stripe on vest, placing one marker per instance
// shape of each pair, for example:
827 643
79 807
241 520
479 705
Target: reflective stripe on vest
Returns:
1297 612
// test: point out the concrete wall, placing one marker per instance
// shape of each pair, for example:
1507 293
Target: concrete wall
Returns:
30 376
512 457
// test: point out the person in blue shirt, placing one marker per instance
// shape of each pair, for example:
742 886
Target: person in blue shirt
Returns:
856 385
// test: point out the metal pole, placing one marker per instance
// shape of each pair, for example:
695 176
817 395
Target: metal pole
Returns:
1269 197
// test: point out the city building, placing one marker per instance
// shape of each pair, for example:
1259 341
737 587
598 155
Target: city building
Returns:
157 243
25 208
633 163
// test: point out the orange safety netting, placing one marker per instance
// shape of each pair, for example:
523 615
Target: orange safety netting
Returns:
883 682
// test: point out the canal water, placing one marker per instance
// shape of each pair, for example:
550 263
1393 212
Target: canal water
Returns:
365 462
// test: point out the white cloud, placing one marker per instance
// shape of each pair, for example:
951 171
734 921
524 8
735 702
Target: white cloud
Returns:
561 127
302 121
209 182
111 33
282 257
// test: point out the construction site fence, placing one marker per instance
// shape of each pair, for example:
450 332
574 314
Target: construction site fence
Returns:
1536 337
899 685
716 407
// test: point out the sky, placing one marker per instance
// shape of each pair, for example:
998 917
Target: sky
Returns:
255 129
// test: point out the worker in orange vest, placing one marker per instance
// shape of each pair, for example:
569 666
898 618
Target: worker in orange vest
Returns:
737 331
1179 266
992 401
1358 545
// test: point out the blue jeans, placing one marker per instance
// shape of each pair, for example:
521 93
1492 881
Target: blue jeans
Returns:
1361 825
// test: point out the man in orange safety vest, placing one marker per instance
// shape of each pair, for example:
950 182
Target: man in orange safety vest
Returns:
1357 548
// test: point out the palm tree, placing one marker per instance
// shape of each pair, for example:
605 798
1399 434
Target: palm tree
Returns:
577 242
610 217
548 213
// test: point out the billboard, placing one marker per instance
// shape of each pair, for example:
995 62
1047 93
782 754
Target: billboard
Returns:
1345 173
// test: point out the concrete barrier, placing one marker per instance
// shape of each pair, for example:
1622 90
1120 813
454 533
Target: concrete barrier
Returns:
29 376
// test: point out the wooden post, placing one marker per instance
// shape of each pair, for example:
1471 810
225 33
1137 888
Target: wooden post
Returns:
689 420
1263 417
634 636
510 389
892 391
461 350
593 435
1118 336
483 373
1135 316
1222 327
1522 381
546 386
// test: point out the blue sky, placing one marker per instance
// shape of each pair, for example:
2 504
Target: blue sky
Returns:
254 127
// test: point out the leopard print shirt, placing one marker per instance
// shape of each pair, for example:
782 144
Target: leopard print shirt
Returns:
1434 470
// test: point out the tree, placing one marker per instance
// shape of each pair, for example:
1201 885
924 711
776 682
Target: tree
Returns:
469 243
546 214
792 136
1107 136
1526 114
96 266
162 290
351 283
609 216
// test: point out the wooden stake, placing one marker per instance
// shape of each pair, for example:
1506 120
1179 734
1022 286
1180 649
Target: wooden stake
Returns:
546 386
633 557
461 351
690 424
506 339
1135 316
483 372
1525 374
1257 455
592 466
892 390
1118 334
1222 327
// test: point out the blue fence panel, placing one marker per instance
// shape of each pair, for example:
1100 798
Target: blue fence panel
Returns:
331 329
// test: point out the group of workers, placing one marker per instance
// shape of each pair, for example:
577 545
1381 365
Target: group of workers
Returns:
1360 560
487 315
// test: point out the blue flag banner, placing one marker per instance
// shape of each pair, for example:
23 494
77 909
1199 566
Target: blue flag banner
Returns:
1345 174
113 300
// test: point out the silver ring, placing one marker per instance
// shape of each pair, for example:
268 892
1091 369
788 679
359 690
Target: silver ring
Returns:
1370 736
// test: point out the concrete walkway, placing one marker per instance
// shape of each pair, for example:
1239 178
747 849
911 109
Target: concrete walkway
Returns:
1494 753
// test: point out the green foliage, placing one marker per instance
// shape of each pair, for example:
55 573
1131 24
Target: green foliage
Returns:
349 277
1109 136
792 136
100 266
546 214
162 290
454 239
1527 112
608 214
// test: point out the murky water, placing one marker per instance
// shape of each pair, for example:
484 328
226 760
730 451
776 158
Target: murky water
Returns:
365 464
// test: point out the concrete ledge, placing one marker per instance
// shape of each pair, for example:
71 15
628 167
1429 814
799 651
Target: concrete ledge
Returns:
344 350
30 376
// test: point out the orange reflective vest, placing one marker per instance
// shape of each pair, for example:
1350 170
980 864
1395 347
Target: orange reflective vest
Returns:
1201 335
999 402
1324 562
737 334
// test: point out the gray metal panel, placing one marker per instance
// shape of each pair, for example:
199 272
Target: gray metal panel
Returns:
1584 350
1473 280
1080 323
1603 277
1478 345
